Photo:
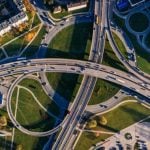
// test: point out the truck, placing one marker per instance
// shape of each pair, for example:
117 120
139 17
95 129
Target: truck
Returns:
120 80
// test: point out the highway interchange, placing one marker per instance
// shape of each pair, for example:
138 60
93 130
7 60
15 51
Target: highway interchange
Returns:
134 80
69 66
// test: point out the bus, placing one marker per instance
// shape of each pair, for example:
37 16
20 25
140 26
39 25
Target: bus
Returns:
97 20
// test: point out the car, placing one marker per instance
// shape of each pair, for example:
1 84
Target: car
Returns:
113 148
43 83
101 148
104 106
112 72
45 44
26 71
45 14
122 92
128 147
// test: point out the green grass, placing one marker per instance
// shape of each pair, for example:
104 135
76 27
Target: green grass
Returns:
125 115
64 46
6 38
110 58
72 42
138 22
119 118
120 45
147 120
89 139
15 47
34 46
65 84
143 59
103 91
3 112
13 98
129 98
36 21
29 113
65 13
2 56
147 40
28 142
38 91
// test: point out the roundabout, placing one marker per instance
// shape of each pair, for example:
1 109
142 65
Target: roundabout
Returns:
138 22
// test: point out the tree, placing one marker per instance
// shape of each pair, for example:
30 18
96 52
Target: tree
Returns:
102 120
97 134
92 124
49 2
30 36
3 121
29 7
19 147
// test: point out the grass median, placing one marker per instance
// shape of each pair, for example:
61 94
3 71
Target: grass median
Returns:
78 47
120 45
38 91
32 117
65 84
103 91
110 59
72 42
30 114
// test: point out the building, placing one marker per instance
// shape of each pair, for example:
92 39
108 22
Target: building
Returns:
57 10
16 19
122 4
76 6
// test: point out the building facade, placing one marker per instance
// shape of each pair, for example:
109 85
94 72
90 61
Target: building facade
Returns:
15 20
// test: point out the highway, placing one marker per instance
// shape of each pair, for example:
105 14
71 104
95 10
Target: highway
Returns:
134 70
64 138
69 66
79 67
87 86
135 80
